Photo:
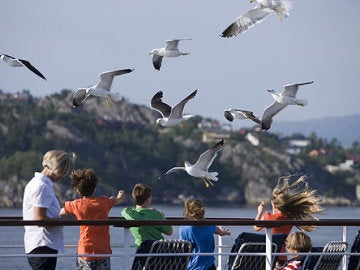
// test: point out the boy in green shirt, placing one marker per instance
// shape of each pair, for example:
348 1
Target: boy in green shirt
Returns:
144 235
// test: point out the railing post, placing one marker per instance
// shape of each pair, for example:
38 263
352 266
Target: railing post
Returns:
220 250
127 262
268 241
345 257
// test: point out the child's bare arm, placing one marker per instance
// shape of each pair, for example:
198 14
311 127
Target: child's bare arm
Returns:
120 197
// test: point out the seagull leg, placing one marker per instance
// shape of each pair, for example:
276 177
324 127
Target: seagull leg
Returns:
205 182
279 16
210 183
183 124
110 101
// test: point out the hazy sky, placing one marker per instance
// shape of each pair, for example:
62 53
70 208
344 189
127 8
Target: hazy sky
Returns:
71 42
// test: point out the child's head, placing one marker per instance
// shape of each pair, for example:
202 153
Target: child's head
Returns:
194 209
141 193
84 181
298 242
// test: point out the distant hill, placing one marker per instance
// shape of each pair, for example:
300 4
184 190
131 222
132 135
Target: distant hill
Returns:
123 145
346 129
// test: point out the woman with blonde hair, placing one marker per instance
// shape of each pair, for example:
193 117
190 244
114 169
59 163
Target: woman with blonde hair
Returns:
291 202
40 203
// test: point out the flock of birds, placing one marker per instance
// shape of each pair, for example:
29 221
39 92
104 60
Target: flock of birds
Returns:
173 116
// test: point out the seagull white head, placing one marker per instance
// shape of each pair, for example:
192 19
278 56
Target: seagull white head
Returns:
154 51
159 121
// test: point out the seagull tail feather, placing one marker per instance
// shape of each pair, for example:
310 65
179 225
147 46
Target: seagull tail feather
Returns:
301 102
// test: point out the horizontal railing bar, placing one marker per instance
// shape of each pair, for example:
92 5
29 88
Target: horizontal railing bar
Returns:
120 222
171 254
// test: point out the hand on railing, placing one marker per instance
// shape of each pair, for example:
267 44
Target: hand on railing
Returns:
220 231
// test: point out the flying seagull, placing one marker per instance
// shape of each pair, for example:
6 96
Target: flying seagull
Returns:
288 97
171 116
101 89
232 114
200 168
257 14
16 62
171 50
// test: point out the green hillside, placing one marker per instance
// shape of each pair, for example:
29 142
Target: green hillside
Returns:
122 144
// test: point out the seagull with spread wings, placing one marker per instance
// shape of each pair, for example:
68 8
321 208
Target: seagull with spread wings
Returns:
287 97
232 114
258 14
101 89
171 50
171 116
202 165
17 62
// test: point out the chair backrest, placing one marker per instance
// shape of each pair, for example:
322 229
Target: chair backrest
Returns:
311 259
168 262
253 243
354 261
251 262
331 261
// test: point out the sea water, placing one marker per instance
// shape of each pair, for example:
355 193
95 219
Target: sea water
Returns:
13 236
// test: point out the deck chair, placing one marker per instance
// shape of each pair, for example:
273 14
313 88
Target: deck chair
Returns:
329 261
168 262
253 243
311 259
354 261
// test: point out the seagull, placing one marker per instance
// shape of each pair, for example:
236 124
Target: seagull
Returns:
171 50
200 168
16 62
281 101
171 116
101 89
257 14
232 114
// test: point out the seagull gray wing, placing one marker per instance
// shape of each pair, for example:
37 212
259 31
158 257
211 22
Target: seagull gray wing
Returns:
158 105
228 115
106 78
291 89
157 59
175 169
32 68
172 44
269 113
177 110
206 159
246 21
79 97
250 115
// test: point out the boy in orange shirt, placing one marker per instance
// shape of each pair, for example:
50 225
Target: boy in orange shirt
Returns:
93 239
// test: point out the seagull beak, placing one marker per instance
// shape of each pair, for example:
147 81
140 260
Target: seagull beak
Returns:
251 1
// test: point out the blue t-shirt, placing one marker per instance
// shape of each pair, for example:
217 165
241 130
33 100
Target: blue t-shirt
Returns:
202 237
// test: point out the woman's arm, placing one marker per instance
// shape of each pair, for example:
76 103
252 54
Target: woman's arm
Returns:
260 212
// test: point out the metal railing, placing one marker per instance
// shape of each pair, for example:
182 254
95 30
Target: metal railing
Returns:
128 253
